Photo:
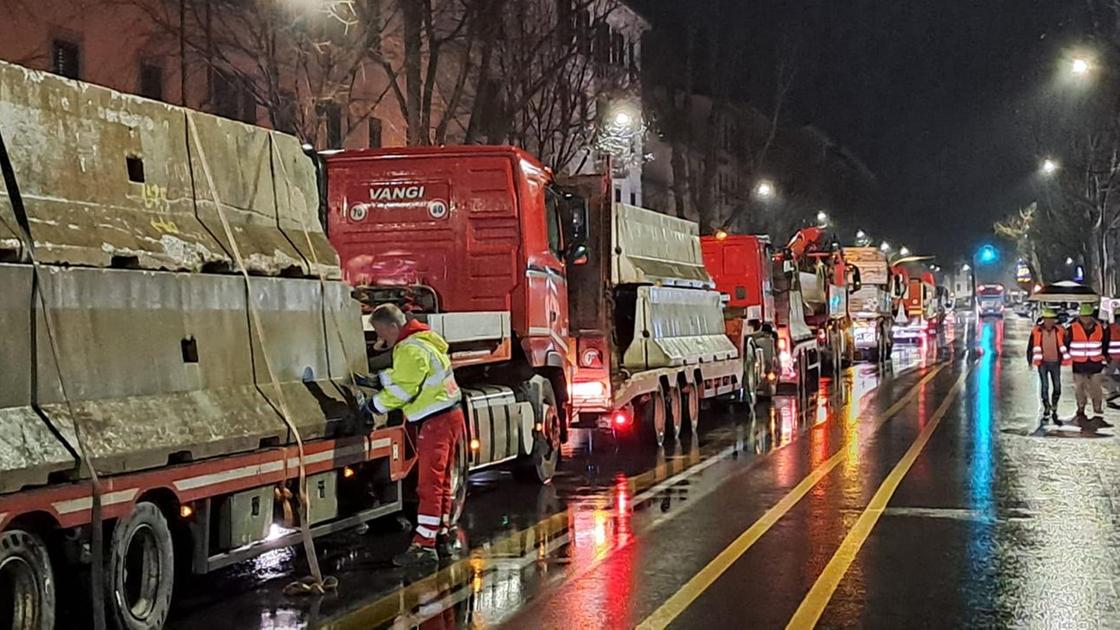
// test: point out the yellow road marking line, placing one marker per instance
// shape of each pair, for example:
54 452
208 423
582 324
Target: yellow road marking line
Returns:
675 605
811 608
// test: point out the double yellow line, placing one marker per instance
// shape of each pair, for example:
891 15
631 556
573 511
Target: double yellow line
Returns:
813 605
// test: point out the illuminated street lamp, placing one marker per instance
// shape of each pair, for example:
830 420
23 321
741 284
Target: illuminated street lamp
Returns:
905 251
1080 66
822 218
965 267
860 234
765 189
622 118
1050 166
885 247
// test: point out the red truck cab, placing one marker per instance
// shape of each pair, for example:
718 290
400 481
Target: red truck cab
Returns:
759 291
477 241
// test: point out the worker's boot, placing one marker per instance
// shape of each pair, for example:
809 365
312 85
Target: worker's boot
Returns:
417 557
1047 411
447 544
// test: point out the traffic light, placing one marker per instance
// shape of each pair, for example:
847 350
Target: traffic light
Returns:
987 255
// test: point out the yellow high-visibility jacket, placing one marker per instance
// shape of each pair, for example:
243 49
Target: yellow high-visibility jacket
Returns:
421 382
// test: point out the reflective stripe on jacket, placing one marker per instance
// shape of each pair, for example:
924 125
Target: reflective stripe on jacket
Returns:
1114 342
421 382
1086 347
1035 350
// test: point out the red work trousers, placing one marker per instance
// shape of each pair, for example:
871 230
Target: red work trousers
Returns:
439 438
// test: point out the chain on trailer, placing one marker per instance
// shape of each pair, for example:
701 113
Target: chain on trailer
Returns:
315 583
97 570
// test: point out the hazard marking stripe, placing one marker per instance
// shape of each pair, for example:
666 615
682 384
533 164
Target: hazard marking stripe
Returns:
202 481
85 503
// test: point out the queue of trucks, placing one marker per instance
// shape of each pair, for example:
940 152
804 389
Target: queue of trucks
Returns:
187 347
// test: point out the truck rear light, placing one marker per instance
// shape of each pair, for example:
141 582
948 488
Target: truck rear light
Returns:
589 389
475 444
620 419
783 345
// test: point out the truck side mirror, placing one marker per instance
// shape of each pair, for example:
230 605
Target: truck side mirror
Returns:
855 282
577 254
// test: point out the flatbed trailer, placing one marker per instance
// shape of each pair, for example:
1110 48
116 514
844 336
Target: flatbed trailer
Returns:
179 355
647 322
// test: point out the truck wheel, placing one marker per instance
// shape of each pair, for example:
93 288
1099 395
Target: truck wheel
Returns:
26 582
459 471
540 464
674 420
651 417
690 408
141 569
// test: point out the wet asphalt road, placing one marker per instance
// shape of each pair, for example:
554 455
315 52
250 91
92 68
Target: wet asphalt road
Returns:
926 496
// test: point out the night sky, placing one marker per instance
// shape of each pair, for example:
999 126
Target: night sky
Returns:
930 94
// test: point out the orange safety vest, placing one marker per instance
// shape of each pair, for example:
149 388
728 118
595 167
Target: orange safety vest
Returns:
1114 341
1036 345
1086 347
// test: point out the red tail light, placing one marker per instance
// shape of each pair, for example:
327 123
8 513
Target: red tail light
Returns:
620 419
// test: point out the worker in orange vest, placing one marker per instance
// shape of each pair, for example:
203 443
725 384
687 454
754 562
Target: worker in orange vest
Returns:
1046 349
1112 370
1088 341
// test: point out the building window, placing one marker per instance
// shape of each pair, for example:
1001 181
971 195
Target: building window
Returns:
331 114
66 59
583 32
603 43
374 133
632 65
284 114
633 199
151 81
567 22
618 194
230 98
618 49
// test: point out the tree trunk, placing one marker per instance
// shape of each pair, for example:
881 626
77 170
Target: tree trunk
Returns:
412 20
708 214
678 163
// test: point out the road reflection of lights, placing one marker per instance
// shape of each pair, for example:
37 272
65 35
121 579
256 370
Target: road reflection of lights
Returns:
980 479
273 563
599 531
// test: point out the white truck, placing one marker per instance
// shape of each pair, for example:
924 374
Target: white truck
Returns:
871 306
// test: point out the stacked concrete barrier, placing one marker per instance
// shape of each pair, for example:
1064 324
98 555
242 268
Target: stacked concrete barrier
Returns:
139 295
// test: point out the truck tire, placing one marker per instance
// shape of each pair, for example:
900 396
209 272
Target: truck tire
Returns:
27 593
460 467
540 464
674 418
690 408
141 570
651 414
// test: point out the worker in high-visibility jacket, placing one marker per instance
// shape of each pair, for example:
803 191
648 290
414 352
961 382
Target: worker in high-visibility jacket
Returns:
1112 370
421 384
1087 339
1046 350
